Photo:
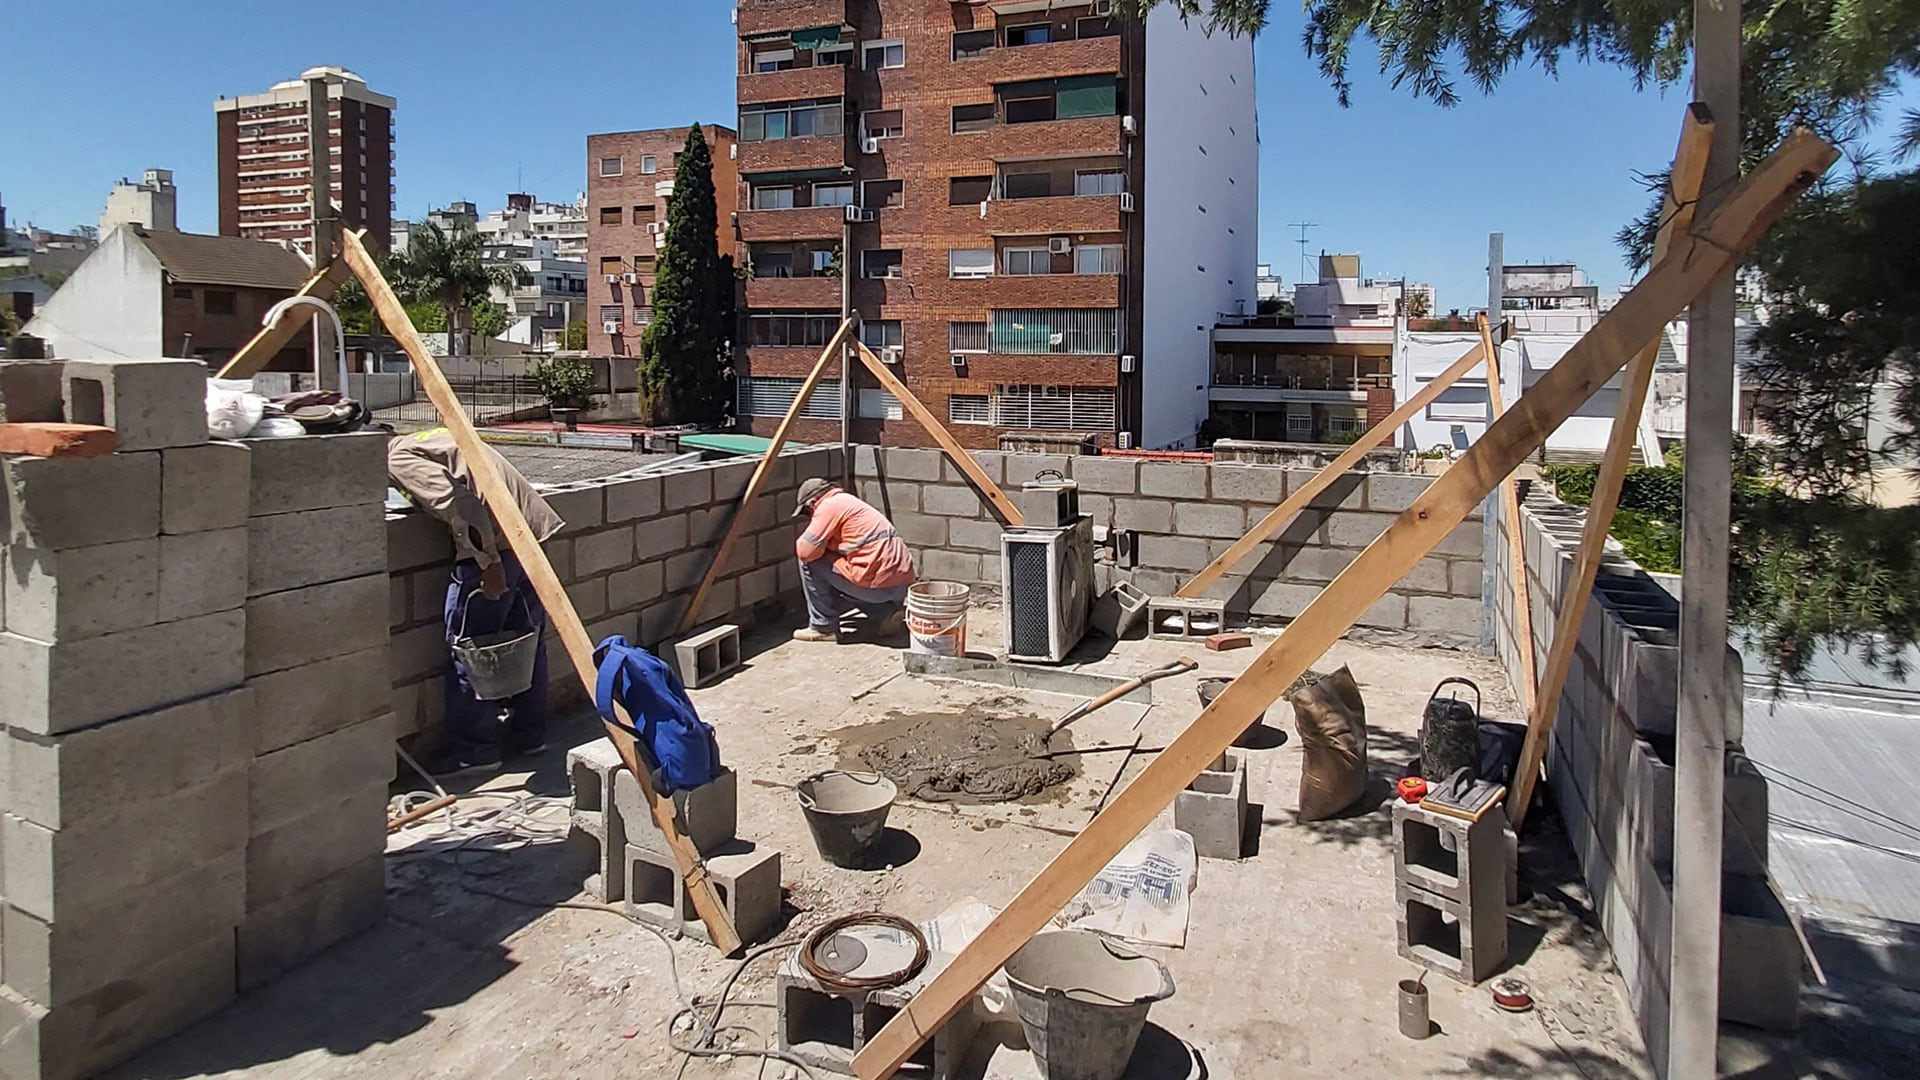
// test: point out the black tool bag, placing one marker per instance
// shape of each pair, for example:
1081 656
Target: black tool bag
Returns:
1450 733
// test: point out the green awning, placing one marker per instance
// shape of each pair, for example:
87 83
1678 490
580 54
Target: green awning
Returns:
752 445
1087 95
816 37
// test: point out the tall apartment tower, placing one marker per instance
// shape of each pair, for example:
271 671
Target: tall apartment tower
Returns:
267 164
152 204
629 184
1038 209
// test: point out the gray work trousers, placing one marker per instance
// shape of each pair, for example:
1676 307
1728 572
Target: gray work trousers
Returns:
829 596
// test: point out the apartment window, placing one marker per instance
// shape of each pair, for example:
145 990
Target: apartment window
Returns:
643 264
823 260
609 215
792 330
839 54
884 54
773 198
1028 260
879 405
760 395
1342 425
553 283
217 301
790 120
1099 182
182 293
880 263
610 264
643 215
963 190
969 409
1299 425
642 315
1061 99
882 194
968 44
1055 408
773 264
773 60
833 194
1063 331
972 119
611 315
1034 34
970 262
649 164
881 333
884 124
1096 27
966 337
610 166
1097 259
1029 109
1035 185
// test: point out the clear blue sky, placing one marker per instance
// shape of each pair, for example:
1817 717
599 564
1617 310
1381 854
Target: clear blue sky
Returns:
497 97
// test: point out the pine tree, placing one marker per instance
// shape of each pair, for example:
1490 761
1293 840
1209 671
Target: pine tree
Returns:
687 351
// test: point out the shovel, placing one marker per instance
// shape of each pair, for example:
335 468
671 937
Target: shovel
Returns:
1178 667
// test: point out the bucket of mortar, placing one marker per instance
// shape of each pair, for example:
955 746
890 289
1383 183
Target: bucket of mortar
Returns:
937 617
1082 1001
846 812
1210 689
499 665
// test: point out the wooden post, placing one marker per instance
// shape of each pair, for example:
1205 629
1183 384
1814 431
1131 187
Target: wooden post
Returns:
1516 549
267 343
1689 165
1598 356
500 502
760 474
1281 516
996 499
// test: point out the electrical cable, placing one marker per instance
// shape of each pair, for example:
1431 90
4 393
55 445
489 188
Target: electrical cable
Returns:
842 981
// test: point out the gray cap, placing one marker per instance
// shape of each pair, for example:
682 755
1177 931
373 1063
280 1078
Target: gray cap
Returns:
810 489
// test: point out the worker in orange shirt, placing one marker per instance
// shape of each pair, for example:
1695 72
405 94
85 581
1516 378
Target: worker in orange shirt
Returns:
850 558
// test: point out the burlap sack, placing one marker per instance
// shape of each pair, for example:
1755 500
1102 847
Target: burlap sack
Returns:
1332 722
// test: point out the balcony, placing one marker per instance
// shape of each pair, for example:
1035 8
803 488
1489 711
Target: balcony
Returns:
801 293
1056 214
797 84
1031 291
795 155
1082 137
757 17
800 223
1053 60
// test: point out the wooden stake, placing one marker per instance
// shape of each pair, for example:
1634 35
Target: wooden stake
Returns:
1671 285
997 500
267 343
1281 516
760 474
1516 548
500 502
1689 167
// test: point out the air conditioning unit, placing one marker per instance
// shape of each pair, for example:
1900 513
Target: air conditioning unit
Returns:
613 279
889 354
858 214
656 228
1129 126
1126 440
1128 363
610 327
1126 202
869 145
1059 245
1047 579
959 360
630 278
1102 8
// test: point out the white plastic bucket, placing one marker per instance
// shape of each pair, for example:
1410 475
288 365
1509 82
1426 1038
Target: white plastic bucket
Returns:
937 617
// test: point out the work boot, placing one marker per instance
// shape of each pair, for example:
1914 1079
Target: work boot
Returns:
808 633
893 625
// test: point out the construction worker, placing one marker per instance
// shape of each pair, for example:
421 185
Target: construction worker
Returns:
489 594
850 557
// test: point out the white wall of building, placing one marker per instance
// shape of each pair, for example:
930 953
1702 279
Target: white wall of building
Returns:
1199 263
151 204
110 308
1457 418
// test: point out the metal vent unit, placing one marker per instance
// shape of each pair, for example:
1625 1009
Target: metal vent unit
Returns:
1047 577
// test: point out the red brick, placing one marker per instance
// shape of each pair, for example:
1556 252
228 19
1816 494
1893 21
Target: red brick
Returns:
1229 642
57 440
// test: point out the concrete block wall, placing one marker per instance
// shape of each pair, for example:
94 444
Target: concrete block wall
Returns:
1182 515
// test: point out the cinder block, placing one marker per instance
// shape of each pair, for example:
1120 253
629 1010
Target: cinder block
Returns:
1444 935
902 463
31 392
705 527
631 588
825 1027
203 572
303 626
581 506
1465 540
1182 553
1109 476
316 472
328 841
49 873
598 835
205 487
413 540
922 530
1169 616
281 934
1394 492
1260 484
759 586
1213 810
1455 615
706 656
951 501
56 503
633 498
82 592
150 404
1172 480
1225 520
687 489
1347 492
660 536
588 597
51 688
747 879
70 781
418 653
1463 861
305 702
708 813
288 784
597 553
309 547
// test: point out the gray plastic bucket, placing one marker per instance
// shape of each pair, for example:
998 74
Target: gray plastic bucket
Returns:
499 666
1082 1001
846 812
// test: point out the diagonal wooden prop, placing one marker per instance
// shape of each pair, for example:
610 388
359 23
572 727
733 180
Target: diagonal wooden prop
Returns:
983 484
500 502
265 345
1671 285
1510 506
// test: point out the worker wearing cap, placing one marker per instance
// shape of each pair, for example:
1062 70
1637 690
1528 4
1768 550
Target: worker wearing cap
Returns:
850 557
489 593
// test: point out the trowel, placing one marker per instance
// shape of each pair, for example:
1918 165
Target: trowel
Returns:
1178 667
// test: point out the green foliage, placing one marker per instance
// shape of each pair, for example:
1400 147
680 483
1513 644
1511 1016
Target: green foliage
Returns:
1419 305
1235 17
576 339
1346 438
427 317
1213 429
1647 523
685 367
489 319
1275 307
444 267
565 381
9 322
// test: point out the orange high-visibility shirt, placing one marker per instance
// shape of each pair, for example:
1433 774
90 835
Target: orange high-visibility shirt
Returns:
865 549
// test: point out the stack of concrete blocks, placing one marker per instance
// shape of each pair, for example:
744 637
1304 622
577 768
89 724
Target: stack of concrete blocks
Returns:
826 1026
317 662
1213 808
1450 890
1181 515
1610 774
125 761
628 861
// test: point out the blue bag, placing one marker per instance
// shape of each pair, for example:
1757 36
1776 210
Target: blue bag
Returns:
680 744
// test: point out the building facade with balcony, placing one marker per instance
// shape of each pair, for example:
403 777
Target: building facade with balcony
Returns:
629 186
1024 219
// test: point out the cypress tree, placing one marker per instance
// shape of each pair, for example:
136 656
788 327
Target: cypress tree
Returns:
687 350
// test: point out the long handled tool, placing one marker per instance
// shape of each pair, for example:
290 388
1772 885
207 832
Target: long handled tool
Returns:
1180 666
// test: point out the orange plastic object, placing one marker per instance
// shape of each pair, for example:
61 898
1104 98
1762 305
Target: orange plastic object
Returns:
1413 789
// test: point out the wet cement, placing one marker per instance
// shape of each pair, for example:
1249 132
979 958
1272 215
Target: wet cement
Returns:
983 756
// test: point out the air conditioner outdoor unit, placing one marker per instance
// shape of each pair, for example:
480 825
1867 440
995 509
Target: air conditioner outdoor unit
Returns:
1059 245
1129 126
959 360
610 327
655 228
1102 8
613 279
857 214
1047 580
889 354
869 146
1128 362
1126 202
1126 440
631 279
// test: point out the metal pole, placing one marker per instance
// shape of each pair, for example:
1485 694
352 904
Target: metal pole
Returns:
1699 776
1490 546
847 395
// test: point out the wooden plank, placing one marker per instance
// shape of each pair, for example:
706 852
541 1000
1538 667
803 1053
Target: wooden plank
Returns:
267 343
1516 548
500 502
1598 356
1689 169
1281 516
761 472
997 500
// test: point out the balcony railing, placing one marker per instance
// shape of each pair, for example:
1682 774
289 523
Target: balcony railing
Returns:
1053 59
757 17
1055 214
793 84
1320 381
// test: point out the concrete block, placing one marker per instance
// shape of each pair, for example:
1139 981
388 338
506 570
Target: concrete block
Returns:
1427 576
52 688
773 546
51 873
659 622
991 462
315 472
205 487
706 527
723 600
1260 484
71 780
82 592
1759 958
288 784
1465 578
1347 492
1213 810
588 597
955 501
1455 615
302 853
687 489
55 503
31 392
1209 519
660 536
825 1027
399 601
1143 515
709 813
417 653
1351 530
903 463
309 547
746 877
924 530
1108 476
1174 617
954 566
1444 855
635 498
429 590
1394 492
581 506
1387 613
1172 480
1466 944
597 832
1465 540
1023 467
559 552
866 460
636 586
1183 553
306 702
203 572
730 479
706 656
973 535
759 586
281 934
419 708
150 404
597 553
414 539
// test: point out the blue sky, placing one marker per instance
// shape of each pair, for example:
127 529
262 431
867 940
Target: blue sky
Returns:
497 97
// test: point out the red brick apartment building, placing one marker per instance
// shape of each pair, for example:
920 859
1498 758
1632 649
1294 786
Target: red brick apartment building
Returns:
1040 209
266 177
629 184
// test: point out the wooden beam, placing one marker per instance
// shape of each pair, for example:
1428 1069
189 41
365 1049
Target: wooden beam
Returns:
1281 516
500 502
1516 549
1672 284
997 500
267 343
1689 170
761 472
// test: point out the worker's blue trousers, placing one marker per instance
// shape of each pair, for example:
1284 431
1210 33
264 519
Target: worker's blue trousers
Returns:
473 725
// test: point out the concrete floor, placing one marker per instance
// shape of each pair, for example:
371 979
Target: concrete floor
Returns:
1289 969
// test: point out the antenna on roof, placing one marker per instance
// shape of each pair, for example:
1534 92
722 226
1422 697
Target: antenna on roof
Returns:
1303 226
